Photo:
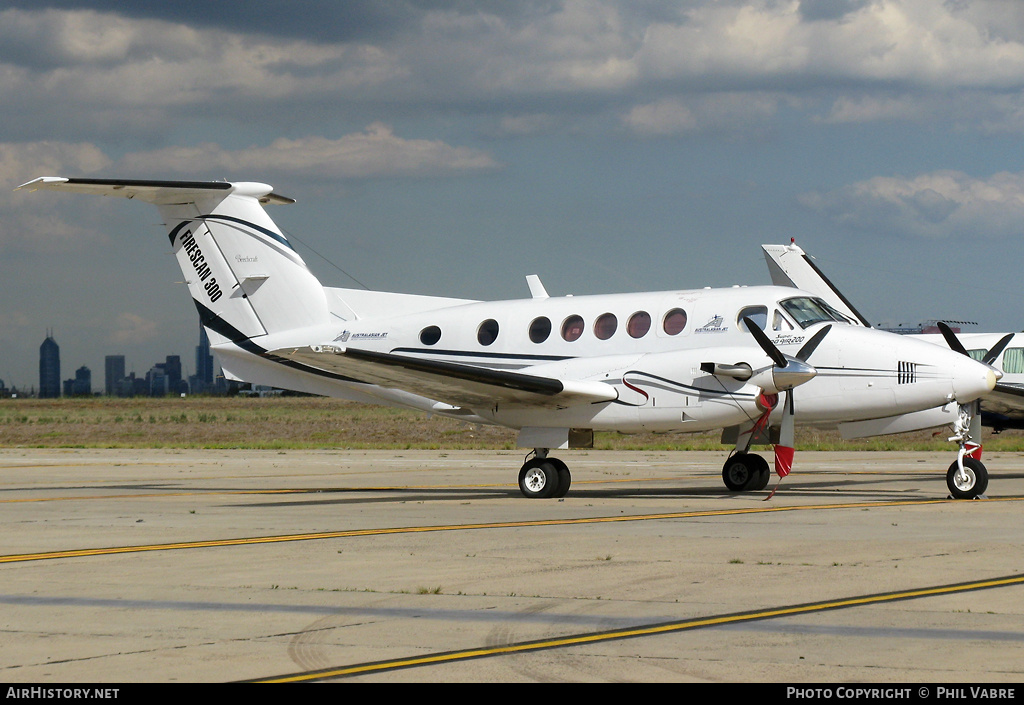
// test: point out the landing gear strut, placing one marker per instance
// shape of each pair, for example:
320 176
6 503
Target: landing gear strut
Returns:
542 477
967 478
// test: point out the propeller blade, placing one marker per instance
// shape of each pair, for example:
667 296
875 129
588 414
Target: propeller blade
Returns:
784 449
951 340
992 354
810 346
767 345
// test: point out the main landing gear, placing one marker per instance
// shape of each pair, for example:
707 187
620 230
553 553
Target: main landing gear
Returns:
744 472
542 477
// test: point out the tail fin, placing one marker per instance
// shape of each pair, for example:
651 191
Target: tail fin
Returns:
244 276
790 266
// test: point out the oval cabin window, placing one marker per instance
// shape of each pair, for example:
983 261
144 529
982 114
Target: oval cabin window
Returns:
487 333
675 321
572 328
540 329
605 326
430 335
638 325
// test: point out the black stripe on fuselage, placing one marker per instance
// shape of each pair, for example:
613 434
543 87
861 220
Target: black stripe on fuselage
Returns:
511 357
217 324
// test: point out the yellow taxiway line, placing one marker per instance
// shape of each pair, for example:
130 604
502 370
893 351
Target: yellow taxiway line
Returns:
644 630
321 535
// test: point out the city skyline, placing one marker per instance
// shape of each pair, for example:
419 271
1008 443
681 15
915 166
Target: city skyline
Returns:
118 380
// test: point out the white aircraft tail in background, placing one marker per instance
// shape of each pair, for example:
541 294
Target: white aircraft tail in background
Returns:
753 361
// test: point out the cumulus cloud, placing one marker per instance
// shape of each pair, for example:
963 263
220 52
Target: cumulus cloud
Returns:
372 153
940 204
133 328
375 152
27 229
117 74
140 74
720 112
919 41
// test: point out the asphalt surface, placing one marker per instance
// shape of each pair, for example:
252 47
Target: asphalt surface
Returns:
128 566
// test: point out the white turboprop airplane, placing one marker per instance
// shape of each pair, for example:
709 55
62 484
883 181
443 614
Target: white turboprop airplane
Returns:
1001 408
555 368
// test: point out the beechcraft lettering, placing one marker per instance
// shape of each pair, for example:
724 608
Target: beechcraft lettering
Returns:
555 368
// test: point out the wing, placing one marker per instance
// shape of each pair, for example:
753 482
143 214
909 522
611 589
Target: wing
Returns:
1005 399
460 385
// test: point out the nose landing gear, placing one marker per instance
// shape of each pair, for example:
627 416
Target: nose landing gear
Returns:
967 478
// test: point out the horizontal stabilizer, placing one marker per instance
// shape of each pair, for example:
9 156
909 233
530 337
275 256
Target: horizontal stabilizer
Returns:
460 385
156 192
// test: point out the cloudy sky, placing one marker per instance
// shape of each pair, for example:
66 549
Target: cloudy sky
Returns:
453 146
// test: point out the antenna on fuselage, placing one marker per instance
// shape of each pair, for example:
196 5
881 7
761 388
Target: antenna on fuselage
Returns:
537 289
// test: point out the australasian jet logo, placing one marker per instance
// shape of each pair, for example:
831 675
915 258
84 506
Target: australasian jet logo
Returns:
344 336
714 325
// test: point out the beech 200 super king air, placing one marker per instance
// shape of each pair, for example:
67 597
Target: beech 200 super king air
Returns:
750 360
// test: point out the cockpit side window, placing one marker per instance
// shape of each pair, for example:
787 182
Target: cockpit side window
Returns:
807 311
842 318
780 322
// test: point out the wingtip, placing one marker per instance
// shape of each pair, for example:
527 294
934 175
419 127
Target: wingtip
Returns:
41 181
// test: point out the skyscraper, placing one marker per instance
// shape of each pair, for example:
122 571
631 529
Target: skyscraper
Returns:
81 385
114 368
49 368
204 361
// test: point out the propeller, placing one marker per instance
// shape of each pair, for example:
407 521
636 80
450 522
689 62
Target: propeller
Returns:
788 372
954 344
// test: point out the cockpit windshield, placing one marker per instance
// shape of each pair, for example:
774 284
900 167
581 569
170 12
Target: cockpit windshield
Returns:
807 311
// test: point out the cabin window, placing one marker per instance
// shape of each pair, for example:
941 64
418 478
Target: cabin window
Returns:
758 314
430 335
638 325
487 333
540 329
1013 361
674 322
605 326
572 328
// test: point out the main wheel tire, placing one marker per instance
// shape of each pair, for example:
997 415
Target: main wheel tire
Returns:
762 475
538 479
564 477
973 485
744 472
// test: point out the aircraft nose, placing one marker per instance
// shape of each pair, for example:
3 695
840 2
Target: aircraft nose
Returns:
972 379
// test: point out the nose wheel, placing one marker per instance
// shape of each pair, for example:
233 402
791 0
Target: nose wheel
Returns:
968 483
